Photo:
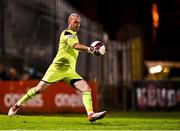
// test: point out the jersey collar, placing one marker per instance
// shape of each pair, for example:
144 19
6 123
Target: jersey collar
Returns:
69 30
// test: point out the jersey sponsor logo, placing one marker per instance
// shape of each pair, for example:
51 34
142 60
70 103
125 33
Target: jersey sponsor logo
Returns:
71 36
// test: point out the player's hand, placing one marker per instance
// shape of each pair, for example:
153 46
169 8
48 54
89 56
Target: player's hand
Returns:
92 50
103 52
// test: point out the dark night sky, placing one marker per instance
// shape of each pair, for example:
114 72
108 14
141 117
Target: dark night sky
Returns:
113 15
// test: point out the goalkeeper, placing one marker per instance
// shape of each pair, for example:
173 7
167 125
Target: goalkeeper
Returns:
63 68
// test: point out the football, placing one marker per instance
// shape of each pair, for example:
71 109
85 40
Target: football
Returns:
99 47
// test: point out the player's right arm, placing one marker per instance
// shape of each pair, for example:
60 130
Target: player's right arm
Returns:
82 47
74 43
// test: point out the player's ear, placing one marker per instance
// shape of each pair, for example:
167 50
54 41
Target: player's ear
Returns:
69 19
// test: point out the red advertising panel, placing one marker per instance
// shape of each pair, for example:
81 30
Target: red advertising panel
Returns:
59 97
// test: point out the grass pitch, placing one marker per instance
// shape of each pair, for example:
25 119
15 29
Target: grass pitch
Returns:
112 121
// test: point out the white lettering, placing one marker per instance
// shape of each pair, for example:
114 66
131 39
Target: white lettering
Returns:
11 98
68 100
36 101
171 98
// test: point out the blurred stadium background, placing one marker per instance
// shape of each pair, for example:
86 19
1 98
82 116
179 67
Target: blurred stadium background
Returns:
141 70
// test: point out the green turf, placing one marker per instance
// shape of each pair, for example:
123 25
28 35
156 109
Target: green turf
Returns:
113 121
